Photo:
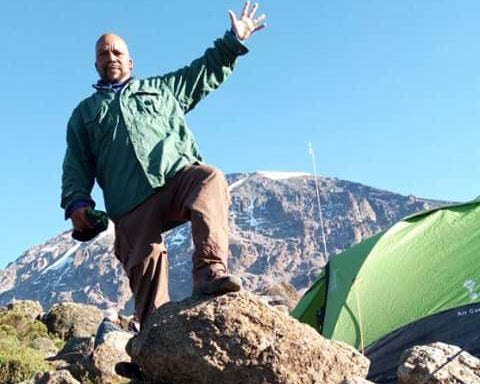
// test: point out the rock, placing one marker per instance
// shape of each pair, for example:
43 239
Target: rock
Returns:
73 320
53 377
75 348
45 346
110 352
80 358
75 357
32 309
420 363
78 369
236 338
106 326
357 380
282 295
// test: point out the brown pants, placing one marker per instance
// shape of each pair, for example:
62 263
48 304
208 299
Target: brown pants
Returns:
197 193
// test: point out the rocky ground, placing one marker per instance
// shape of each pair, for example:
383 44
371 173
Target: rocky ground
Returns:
234 338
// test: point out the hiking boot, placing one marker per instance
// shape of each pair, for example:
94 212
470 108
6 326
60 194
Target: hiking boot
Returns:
218 285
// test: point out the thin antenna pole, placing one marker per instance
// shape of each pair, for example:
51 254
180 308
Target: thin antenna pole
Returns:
312 154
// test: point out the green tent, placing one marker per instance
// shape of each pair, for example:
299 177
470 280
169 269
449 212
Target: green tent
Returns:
415 283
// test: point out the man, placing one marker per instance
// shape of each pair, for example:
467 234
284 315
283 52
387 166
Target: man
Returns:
131 136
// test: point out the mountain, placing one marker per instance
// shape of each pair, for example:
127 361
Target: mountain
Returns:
275 235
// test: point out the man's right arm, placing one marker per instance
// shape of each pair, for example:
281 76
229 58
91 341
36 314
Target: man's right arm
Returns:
78 172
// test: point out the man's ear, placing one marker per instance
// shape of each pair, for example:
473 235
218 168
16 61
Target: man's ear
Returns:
130 64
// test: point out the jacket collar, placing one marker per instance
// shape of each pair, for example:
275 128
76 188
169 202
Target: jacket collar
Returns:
102 86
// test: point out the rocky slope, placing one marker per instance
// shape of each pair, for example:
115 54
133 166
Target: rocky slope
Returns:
275 235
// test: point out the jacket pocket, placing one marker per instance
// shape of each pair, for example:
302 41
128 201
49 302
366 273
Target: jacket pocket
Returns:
147 102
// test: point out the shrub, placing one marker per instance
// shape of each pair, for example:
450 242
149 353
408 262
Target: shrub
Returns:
26 329
19 364
7 331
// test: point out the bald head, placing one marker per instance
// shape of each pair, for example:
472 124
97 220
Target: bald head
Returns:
110 38
113 62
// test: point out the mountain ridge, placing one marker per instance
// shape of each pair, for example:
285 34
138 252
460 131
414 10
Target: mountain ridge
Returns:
274 236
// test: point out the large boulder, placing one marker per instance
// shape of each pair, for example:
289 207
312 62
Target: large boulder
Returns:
236 338
32 309
421 364
73 320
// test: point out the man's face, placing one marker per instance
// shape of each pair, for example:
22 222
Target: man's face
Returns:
113 62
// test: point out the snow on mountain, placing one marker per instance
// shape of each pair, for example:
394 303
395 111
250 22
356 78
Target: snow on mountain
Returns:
62 261
281 175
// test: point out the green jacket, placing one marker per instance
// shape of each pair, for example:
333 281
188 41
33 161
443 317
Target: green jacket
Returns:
134 140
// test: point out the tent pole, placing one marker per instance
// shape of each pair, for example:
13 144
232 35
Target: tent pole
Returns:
360 322
312 154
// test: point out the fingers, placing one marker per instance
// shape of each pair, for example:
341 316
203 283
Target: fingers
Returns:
79 219
259 27
253 10
259 22
81 224
232 15
246 24
244 10
260 18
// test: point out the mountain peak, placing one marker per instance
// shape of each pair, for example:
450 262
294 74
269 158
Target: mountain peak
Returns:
275 236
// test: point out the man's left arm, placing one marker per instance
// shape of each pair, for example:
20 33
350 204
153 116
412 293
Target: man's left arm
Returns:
193 82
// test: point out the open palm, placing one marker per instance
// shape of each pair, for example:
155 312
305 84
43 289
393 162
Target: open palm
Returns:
244 26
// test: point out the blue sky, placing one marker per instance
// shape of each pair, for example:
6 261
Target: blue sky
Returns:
387 92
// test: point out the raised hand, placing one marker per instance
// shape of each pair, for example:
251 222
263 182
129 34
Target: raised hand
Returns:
246 24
